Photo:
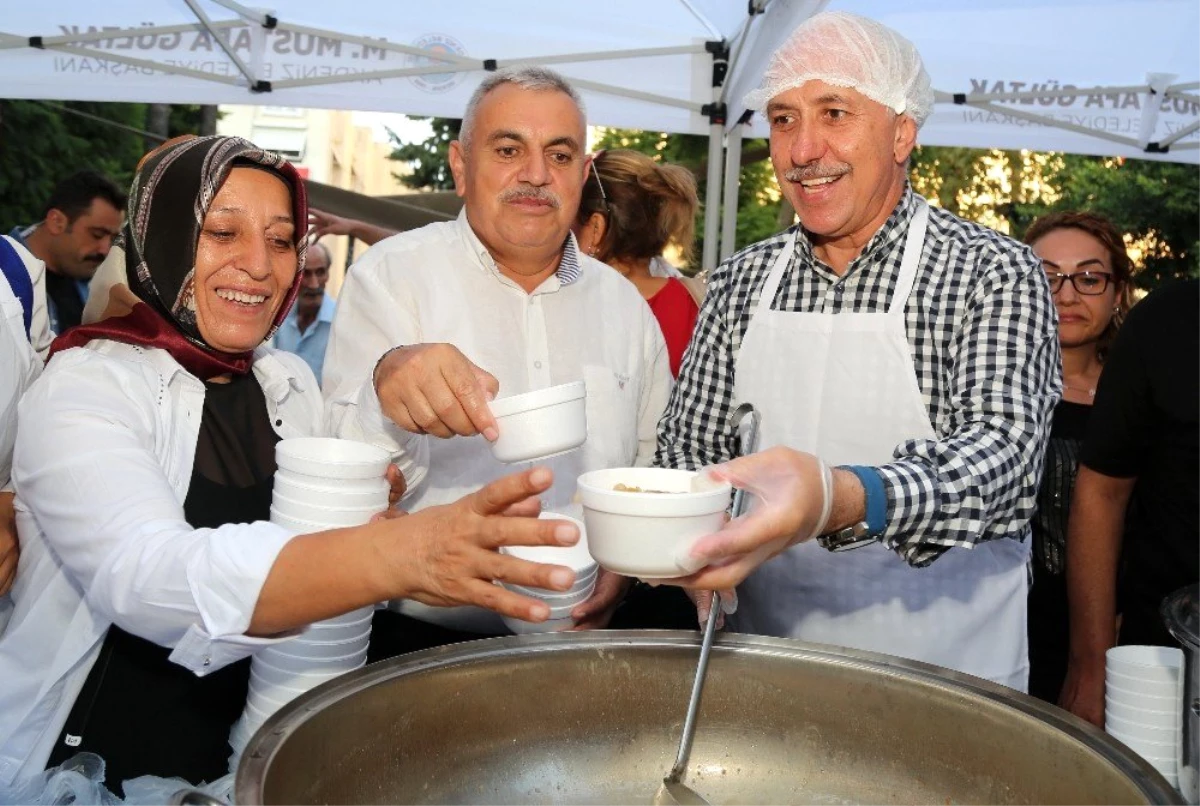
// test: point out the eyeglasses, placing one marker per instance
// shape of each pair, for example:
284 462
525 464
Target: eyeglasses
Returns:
1088 283
602 202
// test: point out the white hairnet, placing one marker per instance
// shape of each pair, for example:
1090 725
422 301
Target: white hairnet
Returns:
846 50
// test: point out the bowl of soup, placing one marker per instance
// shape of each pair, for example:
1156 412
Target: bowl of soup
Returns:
643 521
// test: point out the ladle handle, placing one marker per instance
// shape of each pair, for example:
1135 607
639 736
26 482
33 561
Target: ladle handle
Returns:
689 721
194 797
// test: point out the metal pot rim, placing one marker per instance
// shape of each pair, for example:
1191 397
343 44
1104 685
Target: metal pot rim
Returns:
263 746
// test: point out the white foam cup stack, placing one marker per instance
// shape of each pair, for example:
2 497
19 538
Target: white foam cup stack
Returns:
561 603
1143 703
320 484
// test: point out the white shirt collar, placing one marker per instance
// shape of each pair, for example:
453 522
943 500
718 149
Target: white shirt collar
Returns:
568 267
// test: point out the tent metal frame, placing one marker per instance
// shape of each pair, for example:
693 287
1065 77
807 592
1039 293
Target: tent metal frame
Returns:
725 137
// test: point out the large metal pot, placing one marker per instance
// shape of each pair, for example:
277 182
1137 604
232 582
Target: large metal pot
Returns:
1181 612
595 718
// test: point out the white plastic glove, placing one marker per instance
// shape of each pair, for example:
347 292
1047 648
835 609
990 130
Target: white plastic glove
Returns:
795 496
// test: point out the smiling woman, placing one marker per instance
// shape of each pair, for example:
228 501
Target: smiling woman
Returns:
150 570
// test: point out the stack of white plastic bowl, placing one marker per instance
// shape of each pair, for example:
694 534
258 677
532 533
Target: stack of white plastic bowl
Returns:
1143 703
561 603
320 484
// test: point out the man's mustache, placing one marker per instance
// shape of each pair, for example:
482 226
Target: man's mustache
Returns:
96 258
805 172
531 194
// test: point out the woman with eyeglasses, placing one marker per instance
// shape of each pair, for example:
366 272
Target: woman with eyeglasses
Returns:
632 208
1089 273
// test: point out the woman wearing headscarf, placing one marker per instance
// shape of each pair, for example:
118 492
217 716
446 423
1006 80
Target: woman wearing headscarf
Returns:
149 572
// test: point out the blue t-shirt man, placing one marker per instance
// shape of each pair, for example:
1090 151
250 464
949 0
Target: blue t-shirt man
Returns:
305 331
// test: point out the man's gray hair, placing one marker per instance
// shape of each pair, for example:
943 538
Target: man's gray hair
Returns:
528 77
323 248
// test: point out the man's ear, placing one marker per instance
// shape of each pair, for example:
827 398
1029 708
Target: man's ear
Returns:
56 221
906 138
458 167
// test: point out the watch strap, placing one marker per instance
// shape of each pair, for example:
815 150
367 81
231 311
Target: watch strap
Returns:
867 530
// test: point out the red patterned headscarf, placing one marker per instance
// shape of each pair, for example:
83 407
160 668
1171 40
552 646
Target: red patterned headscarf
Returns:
171 194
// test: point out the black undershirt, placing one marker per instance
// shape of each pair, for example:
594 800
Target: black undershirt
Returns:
63 291
1048 617
1146 425
141 713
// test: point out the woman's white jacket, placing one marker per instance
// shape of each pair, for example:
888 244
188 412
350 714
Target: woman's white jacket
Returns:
105 445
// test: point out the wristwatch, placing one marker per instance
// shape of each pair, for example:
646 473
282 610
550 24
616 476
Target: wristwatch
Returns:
852 537
865 531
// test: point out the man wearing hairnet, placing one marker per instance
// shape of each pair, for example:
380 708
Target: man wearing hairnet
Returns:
905 363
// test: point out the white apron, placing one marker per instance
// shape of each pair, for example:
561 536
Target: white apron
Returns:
843 387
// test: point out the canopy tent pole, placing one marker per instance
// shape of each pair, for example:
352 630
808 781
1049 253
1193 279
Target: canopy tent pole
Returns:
716 112
712 197
733 175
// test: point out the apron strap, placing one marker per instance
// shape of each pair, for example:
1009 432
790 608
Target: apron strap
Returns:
914 245
771 287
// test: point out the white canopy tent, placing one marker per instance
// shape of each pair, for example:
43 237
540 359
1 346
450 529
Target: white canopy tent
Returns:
1115 77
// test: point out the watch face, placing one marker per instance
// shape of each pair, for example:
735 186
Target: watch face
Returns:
849 538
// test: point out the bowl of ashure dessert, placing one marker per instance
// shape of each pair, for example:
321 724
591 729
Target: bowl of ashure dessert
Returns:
642 521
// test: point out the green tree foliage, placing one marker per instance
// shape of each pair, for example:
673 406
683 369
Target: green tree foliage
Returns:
430 158
1157 203
40 144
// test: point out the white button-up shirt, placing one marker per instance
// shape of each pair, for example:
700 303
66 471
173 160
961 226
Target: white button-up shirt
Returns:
103 461
21 356
440 284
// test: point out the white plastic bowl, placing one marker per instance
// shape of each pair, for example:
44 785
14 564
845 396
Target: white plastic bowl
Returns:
287 662
540 424
585 583
1158 717
1153 687
376 495
1164 734
1161 757
520 627
576 557
300 681
255 716
324 483
554 600
269 700
645 534
299 654
1136 698
352 617
327 649
337 634
325 457
1153 664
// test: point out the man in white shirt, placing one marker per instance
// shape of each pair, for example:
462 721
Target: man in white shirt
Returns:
432 323
24 341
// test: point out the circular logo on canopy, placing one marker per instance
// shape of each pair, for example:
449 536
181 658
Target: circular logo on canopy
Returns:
440 44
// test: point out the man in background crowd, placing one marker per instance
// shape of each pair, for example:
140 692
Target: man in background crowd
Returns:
305 332
81 219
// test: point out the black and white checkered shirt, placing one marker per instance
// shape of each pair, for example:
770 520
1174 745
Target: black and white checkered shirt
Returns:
984 334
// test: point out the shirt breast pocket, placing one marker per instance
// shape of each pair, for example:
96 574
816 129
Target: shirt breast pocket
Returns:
612 418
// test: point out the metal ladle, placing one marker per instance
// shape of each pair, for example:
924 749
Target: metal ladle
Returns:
673 790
